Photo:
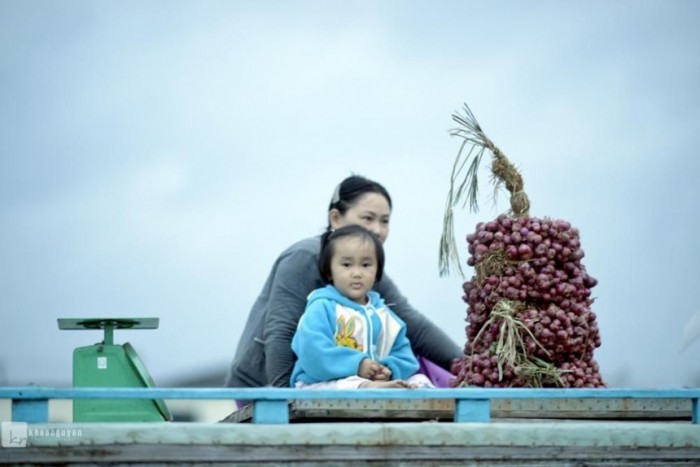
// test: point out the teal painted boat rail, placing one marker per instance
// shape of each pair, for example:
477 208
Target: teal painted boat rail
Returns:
270 405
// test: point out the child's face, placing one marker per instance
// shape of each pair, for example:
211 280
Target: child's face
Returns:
354 267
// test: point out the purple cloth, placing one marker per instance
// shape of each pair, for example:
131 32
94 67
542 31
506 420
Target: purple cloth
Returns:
436 374
241 404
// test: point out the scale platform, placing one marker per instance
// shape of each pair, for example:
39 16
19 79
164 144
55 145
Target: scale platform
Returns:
101 323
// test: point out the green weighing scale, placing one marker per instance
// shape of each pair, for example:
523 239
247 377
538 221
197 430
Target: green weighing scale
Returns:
106 364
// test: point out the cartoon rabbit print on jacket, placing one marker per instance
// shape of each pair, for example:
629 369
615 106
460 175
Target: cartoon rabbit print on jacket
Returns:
345 333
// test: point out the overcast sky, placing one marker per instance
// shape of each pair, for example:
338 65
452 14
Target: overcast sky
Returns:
156 157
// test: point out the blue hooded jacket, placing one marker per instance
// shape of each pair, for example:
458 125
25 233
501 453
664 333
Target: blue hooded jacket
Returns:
335 334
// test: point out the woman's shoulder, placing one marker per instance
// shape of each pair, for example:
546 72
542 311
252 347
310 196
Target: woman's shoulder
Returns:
300 258
386 287
308 245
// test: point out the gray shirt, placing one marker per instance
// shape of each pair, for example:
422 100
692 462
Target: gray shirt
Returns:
264 355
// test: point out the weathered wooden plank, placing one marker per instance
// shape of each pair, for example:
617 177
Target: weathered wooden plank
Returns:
467 400
352 455
508 433
37 392
496 443
443 410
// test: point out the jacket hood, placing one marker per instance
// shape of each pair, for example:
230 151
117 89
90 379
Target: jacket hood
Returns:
331 293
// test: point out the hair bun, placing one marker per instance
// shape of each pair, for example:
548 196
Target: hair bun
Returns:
336 194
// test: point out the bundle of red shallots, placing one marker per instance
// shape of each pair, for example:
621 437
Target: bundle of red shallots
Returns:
529 316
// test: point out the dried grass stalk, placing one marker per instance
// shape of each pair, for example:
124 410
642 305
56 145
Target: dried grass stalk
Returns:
539 373
465 168
493 264
510 348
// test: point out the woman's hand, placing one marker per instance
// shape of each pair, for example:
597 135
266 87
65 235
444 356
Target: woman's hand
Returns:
369 369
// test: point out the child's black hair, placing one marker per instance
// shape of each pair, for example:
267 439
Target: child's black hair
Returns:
328 240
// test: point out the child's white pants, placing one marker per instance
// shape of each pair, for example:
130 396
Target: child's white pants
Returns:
353 382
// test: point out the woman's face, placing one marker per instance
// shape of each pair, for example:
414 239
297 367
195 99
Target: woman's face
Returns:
370 210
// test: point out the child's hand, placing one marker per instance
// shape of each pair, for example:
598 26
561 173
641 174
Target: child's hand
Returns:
367 368
370 369
384 374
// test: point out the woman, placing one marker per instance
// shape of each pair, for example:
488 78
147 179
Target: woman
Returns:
264 356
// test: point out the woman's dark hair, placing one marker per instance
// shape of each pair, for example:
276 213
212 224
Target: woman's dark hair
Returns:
347 192
328 240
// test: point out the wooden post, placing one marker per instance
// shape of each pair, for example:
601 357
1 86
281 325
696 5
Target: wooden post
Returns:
271 412
472 410
30 410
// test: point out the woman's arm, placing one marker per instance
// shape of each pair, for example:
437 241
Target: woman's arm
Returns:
296 277
426 338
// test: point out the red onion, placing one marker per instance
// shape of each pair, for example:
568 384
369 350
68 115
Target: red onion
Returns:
541 278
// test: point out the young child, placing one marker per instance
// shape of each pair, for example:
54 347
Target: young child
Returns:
347 336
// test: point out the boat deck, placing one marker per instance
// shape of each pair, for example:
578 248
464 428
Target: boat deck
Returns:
468 426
